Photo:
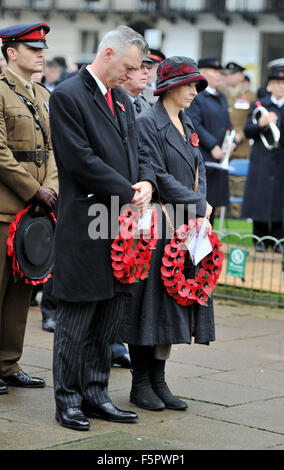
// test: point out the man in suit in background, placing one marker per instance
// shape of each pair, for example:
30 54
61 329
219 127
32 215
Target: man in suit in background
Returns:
135 86
157 57
94 140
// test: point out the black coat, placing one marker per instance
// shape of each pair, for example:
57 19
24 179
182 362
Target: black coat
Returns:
153 317
210 116
263 197
97 158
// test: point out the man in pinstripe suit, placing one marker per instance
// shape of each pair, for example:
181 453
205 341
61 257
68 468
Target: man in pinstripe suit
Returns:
95 150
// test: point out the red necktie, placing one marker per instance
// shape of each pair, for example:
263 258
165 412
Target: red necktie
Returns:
109 100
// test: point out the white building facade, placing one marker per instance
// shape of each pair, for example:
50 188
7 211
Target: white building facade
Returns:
249 32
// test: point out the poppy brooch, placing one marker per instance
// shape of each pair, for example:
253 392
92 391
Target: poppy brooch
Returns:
121 106
194 139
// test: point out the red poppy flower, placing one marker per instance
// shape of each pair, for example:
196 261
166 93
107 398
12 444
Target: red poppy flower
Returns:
218 258
201 297
176 242
171 251
185 69
168 261
120 244
194 139
166 71
207 285
182 232
207 263
121 106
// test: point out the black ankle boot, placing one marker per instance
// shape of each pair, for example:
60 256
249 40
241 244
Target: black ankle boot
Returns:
141 392
161 388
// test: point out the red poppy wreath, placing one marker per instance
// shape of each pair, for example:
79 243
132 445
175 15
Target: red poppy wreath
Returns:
131 256
189 291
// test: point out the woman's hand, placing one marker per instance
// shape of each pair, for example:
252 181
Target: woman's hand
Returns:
208 210
199 222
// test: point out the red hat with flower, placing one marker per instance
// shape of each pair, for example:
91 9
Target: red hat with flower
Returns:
176 71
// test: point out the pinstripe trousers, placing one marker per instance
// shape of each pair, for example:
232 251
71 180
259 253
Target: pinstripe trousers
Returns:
83 336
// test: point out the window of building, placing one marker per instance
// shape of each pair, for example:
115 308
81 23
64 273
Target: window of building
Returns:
89 42
275 5
215 4
211 44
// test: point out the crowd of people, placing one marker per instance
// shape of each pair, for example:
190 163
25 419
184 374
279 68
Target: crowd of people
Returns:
145 128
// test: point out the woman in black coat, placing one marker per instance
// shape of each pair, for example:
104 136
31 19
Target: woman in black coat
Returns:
263 197
154 320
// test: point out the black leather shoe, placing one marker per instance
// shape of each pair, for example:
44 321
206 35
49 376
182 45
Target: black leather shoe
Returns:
109 412
72 418
48 324
22 379
122 361
3 387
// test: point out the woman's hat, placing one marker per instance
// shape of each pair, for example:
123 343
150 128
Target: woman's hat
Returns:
31 245
176 71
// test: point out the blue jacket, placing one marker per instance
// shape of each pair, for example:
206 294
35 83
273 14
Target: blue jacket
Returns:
263 197
210 116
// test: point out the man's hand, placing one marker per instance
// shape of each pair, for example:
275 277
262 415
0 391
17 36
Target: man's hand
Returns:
217 153
199 222
46 196
143 195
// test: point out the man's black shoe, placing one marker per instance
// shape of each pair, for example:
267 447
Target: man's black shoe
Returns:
72 418
3 387
22 379
122 361
109 412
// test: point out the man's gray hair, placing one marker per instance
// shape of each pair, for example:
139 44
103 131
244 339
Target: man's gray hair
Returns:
121 38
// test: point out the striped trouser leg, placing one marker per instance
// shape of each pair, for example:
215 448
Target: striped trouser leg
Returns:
82 350
98 350
72 323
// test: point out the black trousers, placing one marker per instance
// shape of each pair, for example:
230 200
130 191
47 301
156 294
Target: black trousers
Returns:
82 354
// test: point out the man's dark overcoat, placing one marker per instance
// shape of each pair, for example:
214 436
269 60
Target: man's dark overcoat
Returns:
153 317
96 159
210 116
263 198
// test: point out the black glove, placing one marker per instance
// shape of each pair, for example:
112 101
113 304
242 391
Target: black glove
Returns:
47 197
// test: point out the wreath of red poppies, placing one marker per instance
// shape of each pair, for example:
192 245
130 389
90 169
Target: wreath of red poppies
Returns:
11 250
131 256
189 291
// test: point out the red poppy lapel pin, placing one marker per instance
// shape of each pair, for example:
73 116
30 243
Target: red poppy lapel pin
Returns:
121 106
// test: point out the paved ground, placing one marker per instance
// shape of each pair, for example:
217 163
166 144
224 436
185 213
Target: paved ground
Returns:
234 389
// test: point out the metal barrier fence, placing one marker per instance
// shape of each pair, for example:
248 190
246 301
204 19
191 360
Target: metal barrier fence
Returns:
253 269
